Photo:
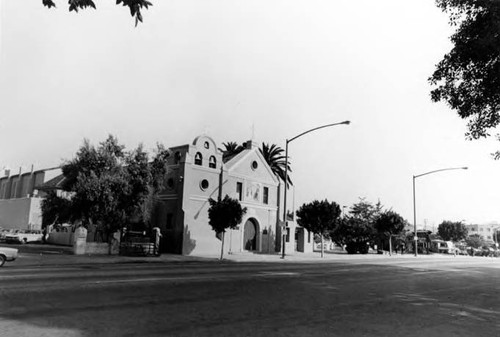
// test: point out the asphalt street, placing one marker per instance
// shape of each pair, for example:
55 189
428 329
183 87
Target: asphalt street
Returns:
358 296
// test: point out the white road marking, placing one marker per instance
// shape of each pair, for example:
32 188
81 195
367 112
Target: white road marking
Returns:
277 273
191 278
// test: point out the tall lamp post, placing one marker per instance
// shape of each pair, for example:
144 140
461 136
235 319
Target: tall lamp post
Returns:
495 239
286 179
415 238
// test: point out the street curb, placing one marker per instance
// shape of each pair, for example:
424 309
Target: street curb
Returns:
61 259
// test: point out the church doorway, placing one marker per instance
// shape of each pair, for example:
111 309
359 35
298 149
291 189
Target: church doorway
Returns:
250 235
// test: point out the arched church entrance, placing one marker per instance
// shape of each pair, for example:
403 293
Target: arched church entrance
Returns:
250 235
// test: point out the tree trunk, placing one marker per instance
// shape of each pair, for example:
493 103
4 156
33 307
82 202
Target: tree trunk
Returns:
222 246
322 246
390 244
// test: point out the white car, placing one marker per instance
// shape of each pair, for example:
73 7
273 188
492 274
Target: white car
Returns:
3 233
7 254
24 236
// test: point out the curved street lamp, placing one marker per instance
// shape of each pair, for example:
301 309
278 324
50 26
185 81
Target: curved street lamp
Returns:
286 178
415 238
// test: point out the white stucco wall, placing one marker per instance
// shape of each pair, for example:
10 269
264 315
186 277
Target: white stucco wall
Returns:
24 213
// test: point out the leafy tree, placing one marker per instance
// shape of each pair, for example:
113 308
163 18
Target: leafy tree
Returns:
319 217
357 230
275 158
474 241
224 214
109 185
454 231
356 233
134 6
55 209
389 223
366 211
468 77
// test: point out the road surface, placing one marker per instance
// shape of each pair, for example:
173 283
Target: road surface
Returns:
360 297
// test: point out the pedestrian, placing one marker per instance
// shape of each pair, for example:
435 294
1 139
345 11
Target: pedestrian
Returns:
157 237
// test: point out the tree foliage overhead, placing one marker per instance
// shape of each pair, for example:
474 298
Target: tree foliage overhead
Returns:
134 6
468 77
454 231
110 186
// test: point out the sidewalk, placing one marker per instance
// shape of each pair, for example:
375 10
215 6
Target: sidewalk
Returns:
32 259
62 258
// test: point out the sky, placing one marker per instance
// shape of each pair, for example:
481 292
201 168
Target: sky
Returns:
237 69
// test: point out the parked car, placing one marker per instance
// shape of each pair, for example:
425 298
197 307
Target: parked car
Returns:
481 251
4 232
487 251
24 236
7 254
441 246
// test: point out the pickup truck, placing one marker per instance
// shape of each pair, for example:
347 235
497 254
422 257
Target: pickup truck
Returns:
24 236
7 254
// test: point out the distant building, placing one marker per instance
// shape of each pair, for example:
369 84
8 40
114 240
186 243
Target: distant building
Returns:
484 230
20 199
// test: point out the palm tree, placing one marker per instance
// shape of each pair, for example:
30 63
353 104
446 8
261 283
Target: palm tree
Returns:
273 155
277 161
231 149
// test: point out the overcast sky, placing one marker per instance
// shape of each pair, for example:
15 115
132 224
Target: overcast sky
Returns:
224 67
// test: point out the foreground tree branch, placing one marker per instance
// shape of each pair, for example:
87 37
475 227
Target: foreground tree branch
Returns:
135 6
468 77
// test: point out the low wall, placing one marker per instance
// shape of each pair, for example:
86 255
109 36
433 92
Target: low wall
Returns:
100 248
81 246
94 248
91 248
60 238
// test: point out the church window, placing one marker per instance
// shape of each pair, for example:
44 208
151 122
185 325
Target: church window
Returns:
239 190
266 196
204 184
